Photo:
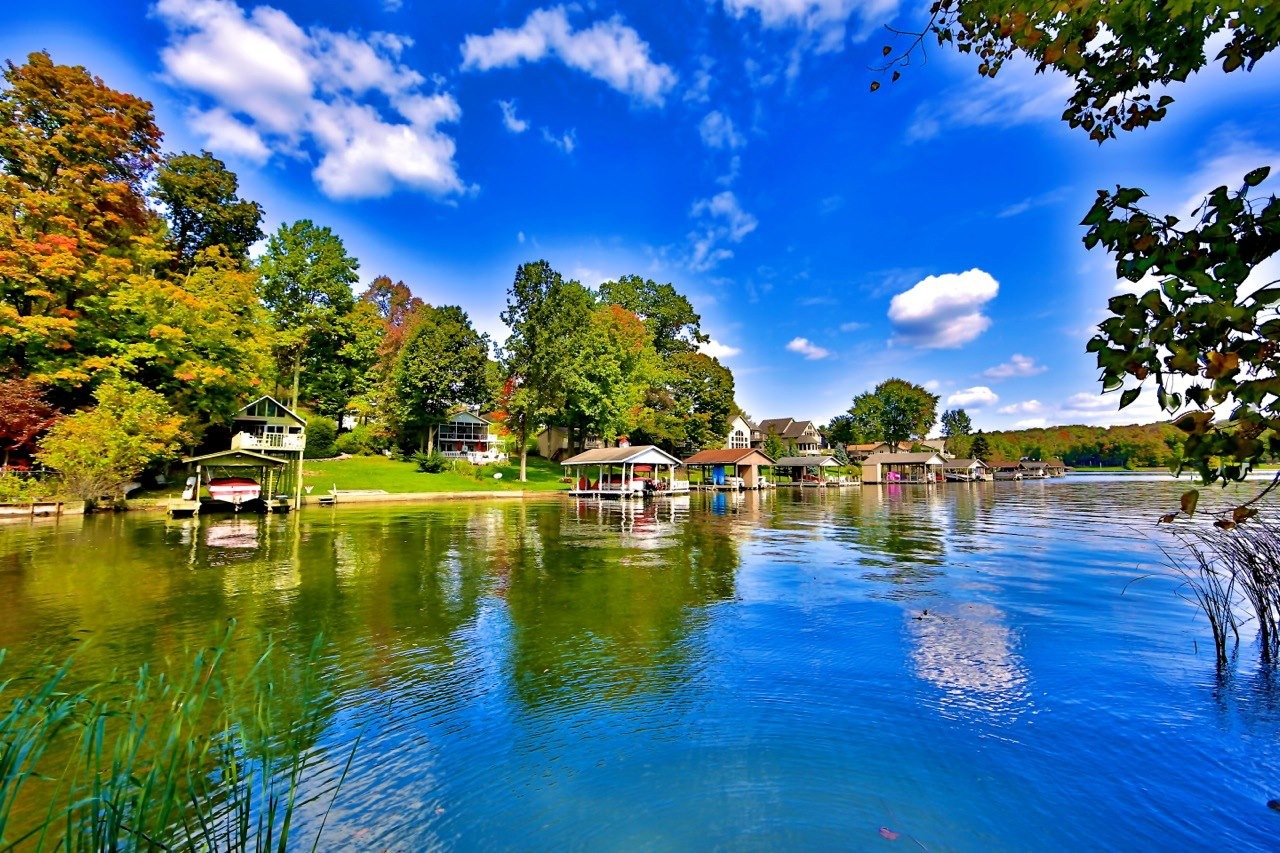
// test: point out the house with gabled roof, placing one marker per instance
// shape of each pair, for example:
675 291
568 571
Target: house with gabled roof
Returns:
803 434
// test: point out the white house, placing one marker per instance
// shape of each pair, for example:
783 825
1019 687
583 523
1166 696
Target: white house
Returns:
470 437
739 437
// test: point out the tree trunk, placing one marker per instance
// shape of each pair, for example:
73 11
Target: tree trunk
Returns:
524 452
297 372
431 439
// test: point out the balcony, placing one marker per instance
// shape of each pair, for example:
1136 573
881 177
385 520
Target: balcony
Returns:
268 441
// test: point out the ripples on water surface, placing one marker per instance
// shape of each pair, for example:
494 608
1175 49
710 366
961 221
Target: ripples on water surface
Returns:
751 671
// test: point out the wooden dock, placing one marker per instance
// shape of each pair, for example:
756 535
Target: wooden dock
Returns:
31 509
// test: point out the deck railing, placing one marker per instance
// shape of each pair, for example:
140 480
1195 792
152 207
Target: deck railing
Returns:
268 441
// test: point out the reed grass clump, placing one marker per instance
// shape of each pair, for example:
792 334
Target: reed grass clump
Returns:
204 759
1233 575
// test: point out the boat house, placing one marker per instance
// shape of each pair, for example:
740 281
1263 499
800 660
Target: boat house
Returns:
624 472
966 470
807 470
903 468
1005 469
1037 470
735 468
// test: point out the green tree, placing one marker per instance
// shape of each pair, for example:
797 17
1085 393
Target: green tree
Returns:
441 366
614 365
306 284
1200 332
74 155
669 315
956 423
201 340
99 450
980 449
546 316
843 430
774 447
894 411
198 193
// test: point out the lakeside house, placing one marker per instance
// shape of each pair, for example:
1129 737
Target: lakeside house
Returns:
858 452
731 468
553 443
903 468
264 462
471 437
624 472
740 431
267 425
803 434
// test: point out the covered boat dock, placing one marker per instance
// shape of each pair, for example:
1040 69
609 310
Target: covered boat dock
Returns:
903 468
270 473
624 472
730 469
808 470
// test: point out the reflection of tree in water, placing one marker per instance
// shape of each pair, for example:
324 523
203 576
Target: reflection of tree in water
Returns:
595 618
971 655
898 531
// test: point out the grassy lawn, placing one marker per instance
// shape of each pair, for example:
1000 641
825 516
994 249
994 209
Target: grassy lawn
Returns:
378 472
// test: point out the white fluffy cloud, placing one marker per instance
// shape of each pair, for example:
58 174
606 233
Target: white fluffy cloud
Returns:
717 131
1024 408
1017 365
808 349
943 311
977 397
1030 423
566 141
267 86
608 50
715 349
721 219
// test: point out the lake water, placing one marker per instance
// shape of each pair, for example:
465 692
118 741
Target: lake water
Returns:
744 672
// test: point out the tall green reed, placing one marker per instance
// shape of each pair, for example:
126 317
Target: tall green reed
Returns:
205 759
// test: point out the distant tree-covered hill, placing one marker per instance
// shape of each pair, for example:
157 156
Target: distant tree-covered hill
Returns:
1134 446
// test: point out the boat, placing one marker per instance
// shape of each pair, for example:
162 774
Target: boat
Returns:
234 490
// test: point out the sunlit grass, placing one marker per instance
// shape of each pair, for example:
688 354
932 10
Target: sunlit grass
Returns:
378 472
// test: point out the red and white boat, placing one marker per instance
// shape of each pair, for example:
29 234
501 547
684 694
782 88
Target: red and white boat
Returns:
234 490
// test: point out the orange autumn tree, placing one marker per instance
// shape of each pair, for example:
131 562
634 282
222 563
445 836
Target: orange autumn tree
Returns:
74 154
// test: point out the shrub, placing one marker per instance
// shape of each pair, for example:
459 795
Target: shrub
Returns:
321 433
430 463
464 468
360 441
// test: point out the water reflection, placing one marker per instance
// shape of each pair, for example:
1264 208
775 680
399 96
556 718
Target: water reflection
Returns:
970 654
600 608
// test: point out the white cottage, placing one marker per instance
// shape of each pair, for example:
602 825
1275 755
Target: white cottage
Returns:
470 437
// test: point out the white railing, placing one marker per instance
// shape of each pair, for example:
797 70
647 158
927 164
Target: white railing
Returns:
268 441
476 457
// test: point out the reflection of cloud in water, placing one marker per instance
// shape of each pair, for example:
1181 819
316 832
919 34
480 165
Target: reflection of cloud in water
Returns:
972 657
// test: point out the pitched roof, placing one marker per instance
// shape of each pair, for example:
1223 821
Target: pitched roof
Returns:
903 458
644 453
1002 463
807 462
240 414
239 459
735 456
777 425
786 427
964 463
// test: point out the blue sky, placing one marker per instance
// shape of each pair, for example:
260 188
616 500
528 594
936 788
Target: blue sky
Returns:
830 237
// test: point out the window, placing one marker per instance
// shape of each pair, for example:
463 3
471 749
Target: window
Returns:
738 441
